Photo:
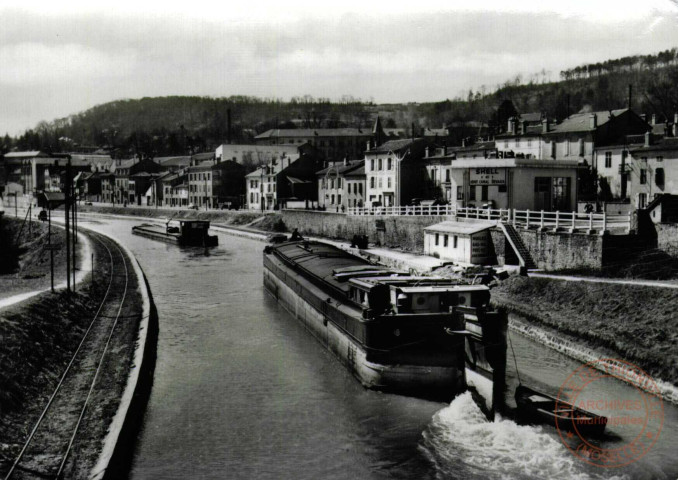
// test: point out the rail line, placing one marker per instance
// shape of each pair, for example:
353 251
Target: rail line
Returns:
41 442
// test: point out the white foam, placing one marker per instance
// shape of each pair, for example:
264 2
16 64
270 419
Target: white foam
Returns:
462 443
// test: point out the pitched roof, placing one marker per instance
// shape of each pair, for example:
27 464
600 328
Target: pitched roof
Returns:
341 168
530 117
29 154
463 228
668 143
315 132
581 122
394 145
358 172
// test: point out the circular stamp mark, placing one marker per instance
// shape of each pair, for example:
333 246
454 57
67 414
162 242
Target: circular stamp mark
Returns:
636 414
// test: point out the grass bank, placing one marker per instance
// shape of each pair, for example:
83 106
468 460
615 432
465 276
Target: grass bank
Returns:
637 323
24 258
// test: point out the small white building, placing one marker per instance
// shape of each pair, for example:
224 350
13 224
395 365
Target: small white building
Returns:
459 242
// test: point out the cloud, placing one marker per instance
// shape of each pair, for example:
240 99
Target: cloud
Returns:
39 64
423 52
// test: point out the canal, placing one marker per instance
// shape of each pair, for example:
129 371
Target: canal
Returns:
241 390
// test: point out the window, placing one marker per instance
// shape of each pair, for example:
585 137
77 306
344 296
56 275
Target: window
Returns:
501 188
371 182
581 147
339 199
460 193
389 164
660 159
454 244
529 142
372 164
659 177
332 183
445 241
332 199
505 143
380 182
484 192
389 182
380 164
643 176
608 159
338 182
472 193
437 239
360 188
642 200
447 175
517 142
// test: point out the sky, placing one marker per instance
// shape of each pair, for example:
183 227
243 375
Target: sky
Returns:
60 58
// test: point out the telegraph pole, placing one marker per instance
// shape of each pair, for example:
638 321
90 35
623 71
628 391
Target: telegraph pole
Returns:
67 206
49 242
73 229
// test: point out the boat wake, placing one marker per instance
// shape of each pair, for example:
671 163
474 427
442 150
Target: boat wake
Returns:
463 444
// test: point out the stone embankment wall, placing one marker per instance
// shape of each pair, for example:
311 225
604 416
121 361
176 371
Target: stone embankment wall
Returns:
551 251
406 232
667 238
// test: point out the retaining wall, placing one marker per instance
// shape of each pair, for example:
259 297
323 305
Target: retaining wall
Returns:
406 232
667 238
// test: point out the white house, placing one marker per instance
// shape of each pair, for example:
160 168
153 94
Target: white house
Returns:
459 242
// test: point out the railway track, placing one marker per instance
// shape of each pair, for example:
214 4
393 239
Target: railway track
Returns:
51 448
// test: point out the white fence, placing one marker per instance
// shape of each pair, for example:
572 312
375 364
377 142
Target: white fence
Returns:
599 222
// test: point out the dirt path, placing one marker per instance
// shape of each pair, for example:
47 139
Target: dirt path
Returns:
616 281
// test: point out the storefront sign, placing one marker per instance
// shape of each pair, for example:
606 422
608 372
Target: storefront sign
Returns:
488 176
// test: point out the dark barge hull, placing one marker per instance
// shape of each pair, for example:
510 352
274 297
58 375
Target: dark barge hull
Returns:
339 327
156 233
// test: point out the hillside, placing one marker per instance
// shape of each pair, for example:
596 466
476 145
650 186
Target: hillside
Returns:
179 125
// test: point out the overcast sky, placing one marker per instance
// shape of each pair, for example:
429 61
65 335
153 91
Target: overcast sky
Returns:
61 58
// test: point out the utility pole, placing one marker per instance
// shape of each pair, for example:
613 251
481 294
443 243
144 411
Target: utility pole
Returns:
67 206
49 242
74 228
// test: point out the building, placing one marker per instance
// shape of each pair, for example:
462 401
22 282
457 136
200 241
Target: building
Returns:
214 183
333 143
576 137
253 156
653 170
274 184
467 243
522 138
342 185
395 172
123 170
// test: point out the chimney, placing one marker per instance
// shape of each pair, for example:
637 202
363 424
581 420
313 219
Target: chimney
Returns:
368 146
643 116
545 125
675 129
523 127
463 142
675 118
654 119
509 127
426 152
345 161
593 121
648 139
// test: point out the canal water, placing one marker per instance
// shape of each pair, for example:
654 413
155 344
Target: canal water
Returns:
242 391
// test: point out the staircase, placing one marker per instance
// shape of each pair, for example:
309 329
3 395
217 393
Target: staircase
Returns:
519 247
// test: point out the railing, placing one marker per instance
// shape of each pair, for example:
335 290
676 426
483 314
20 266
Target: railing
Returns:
570 221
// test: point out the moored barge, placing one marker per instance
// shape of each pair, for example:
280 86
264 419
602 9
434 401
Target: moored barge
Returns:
180 232
394 331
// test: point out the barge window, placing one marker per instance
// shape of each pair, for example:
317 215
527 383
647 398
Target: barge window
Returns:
437 235
445 241
454 240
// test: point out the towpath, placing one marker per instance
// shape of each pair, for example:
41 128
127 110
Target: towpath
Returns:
639 283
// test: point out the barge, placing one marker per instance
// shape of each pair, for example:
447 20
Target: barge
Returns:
180 232
395 332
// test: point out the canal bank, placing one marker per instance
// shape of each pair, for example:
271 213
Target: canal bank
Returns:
53 344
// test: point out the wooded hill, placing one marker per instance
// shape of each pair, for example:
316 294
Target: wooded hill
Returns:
181 125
